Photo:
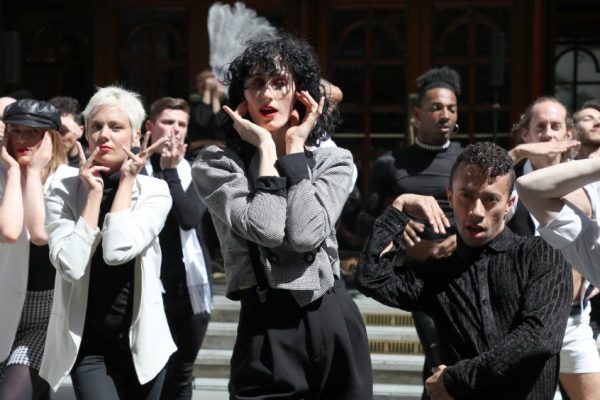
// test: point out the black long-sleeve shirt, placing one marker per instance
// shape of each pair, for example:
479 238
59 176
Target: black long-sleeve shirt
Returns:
187 213
501 310
409 170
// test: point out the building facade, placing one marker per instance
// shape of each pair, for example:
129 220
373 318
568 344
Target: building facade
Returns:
373 50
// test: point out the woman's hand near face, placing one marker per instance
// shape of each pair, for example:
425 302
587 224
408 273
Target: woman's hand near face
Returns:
129 170
89 173
41 156
33 194
135 162
11 206
296 135
248 130
6 160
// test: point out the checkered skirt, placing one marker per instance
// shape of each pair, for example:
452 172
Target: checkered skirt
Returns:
28 347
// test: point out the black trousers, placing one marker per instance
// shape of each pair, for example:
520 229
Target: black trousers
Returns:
188 331
284 351
428 335
104 370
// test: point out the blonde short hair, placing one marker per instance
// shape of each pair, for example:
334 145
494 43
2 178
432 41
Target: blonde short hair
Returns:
113 96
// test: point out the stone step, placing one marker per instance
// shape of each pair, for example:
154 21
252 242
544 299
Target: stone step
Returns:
382 339
387 368
373 312
218 387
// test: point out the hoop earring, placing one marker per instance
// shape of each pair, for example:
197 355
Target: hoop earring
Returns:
456 128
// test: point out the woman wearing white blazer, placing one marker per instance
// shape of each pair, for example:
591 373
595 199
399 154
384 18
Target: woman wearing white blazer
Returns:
31 157
108 325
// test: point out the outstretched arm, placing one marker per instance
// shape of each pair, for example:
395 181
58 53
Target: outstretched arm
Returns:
529 150
542 190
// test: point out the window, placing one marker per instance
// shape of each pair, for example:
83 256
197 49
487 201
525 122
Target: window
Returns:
577 71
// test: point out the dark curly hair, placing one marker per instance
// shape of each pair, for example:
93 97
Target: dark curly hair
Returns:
444 77
271 54
491 159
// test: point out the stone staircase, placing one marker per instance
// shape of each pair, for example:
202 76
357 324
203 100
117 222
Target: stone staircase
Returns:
395 349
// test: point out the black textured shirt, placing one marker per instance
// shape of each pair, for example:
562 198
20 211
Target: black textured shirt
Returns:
501 309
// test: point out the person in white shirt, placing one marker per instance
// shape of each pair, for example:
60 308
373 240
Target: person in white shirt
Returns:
571 226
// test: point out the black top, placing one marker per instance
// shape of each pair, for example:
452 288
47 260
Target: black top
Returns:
501 309
409 170
73 161
521 223
186 212
110 297
41 272
204 124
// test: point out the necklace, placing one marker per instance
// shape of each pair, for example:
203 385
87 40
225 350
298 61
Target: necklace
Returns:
432 147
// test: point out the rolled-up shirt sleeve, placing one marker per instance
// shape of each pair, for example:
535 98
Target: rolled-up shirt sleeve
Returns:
577 236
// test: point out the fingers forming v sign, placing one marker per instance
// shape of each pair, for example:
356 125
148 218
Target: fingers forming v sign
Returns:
89 173
248 130
135 162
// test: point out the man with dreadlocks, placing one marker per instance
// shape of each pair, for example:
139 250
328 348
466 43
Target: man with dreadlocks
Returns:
423 168
500 301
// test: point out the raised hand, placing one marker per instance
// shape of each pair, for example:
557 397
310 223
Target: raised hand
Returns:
527 150
135 162
296 135
424 207
248 130
42 155
425 249
89 173
6 160
172 153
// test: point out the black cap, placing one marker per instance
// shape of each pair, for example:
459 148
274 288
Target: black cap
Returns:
33 113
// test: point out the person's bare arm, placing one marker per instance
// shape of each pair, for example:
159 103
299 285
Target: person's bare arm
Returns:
542 191
529 150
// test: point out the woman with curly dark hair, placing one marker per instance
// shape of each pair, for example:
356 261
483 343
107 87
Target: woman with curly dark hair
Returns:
274 206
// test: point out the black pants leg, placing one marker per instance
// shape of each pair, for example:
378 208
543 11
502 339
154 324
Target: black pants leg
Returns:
104 370
428 336
20 382
188 331
284 351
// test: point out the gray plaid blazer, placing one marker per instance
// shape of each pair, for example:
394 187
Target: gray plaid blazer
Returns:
292 222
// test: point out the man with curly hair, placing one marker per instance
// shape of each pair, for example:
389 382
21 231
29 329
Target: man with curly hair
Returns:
274 206
500 301
422 168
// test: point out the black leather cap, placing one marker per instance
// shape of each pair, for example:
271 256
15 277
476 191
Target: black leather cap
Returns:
33 113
